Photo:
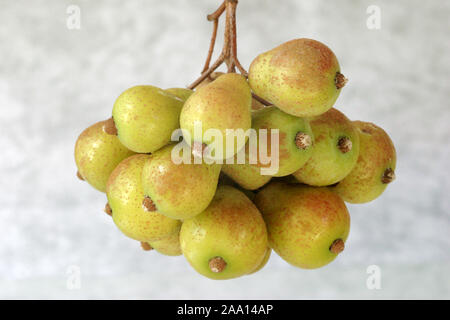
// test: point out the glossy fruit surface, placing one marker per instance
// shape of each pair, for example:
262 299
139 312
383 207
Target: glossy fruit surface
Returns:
145 117
335 151
227 240
307 226
125 194
97 154
375 168
302 77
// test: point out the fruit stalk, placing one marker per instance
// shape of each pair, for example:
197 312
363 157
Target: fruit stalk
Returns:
229 49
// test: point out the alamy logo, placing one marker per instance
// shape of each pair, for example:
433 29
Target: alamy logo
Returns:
259 148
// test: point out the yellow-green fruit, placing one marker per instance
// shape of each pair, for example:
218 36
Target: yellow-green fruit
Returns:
181 93
335 151
307 226
178 191
264 261
375 168
301 77
125 194
224 105
145 117
295 141
169 246
97 153
228 239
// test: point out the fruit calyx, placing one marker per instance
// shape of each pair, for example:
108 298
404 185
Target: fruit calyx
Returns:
388 176
80 176
302 140
345 144
108 209
198 149
146 246
337 246
110 127
340 80
217 264
148 205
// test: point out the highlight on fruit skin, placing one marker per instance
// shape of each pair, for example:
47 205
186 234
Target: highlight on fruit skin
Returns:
335 151
375 168
228 239
97 153
302 77
307 226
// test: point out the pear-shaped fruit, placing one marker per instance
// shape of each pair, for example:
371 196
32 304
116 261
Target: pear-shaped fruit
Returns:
97 153
228 239
296 138
335 150
125 194
307 226
168 246
375 168
179 191
181 93
145 117
223 105
301 77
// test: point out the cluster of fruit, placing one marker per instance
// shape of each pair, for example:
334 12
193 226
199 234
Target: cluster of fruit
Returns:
226 218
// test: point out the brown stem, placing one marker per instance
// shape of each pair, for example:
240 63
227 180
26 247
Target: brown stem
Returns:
258 98
229 50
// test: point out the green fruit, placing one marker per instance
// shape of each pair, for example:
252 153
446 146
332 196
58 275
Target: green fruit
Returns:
228 239
224 105
169 246
181 93
375 167
97 153
307 226
335 150
264 261
301 77
145 117
125 194
178 191
295 138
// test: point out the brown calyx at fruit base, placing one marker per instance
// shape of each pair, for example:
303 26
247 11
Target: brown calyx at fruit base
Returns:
80 176
108 209
148 205
337 246
229 49
217 264
302 140
345 144
388 176
340 80
198 149
146 246
110 127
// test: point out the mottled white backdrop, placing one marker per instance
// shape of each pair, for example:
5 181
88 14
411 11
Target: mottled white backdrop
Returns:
54 82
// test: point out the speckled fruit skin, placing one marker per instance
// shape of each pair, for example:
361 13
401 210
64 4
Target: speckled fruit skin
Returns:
125 195
298 77
97 154
179 191
223 104
181 93
247 176
231 228
291 158
376 154
145 117
328 164
303 222
169 246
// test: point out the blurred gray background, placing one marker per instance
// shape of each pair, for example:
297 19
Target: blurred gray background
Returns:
54 82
